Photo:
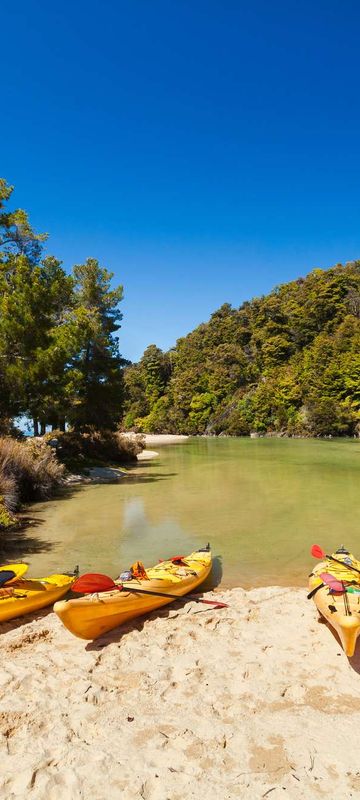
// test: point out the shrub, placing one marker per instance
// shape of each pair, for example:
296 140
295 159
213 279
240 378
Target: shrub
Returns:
9 491
93 445
6 518
8 428
29 471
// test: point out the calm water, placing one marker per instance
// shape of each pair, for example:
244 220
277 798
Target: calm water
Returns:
261 503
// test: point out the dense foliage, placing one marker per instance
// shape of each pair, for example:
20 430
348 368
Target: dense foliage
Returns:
287 363
59 356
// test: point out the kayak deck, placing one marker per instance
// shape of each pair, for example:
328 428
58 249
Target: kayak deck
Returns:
340 609
31 594
92 615
19 569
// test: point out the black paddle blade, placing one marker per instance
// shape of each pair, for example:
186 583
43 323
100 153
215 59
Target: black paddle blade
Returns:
6 575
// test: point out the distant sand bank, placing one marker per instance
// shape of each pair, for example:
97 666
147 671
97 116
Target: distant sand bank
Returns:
251 701
156 440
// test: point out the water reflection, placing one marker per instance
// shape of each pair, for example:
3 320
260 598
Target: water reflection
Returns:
261 503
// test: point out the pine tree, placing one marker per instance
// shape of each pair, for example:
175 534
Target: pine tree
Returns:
17 237
98 365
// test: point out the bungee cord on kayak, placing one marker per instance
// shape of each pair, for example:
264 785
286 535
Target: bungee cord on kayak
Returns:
337 579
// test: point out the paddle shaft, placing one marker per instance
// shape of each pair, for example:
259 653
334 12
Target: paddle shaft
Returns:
176 596
316 589
343 564
96 583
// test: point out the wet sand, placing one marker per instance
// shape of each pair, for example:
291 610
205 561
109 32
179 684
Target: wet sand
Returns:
251 701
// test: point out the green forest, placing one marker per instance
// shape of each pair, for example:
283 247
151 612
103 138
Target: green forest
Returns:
287 363
59 355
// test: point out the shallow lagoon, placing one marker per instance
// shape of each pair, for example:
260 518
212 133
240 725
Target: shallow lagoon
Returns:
260 502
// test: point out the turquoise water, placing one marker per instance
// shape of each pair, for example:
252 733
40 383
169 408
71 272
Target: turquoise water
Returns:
261 503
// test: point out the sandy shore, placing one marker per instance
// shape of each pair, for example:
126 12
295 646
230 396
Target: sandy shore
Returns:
157 440
113 474
251 701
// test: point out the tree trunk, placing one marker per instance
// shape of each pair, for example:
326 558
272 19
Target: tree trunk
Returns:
42 428
36 427
62 424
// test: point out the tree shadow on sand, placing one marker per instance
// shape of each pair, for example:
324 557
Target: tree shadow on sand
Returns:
354 661
19 622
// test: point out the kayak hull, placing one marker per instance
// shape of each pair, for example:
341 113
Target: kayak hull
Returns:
332 607
32 594
91 616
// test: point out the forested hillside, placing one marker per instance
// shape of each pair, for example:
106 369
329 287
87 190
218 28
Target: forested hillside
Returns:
288 362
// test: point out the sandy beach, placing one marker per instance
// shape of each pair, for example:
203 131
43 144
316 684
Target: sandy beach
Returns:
254 700
156 440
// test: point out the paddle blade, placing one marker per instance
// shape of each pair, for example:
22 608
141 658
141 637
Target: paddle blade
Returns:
6 575
334 584
94 582
317 552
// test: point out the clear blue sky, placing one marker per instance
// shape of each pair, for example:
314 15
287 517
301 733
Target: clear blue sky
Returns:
202 150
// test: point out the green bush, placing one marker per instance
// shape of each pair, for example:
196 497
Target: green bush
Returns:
7 520
108 446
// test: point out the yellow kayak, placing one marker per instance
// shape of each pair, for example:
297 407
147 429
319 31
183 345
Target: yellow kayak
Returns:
340 609
92 615
26 595
19 570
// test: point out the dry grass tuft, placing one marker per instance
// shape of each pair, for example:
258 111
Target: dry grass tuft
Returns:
29 471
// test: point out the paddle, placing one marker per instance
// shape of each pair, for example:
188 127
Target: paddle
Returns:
316 589
95 582
6 575
317 552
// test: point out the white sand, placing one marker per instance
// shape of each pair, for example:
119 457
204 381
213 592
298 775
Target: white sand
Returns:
256 700
157 440
147 455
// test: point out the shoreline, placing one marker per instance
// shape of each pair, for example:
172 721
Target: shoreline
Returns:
111 474
158 439
189 702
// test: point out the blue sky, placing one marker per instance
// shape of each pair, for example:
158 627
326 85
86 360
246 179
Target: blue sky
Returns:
203 151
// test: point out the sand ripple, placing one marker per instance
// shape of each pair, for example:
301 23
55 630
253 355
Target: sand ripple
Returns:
257 700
